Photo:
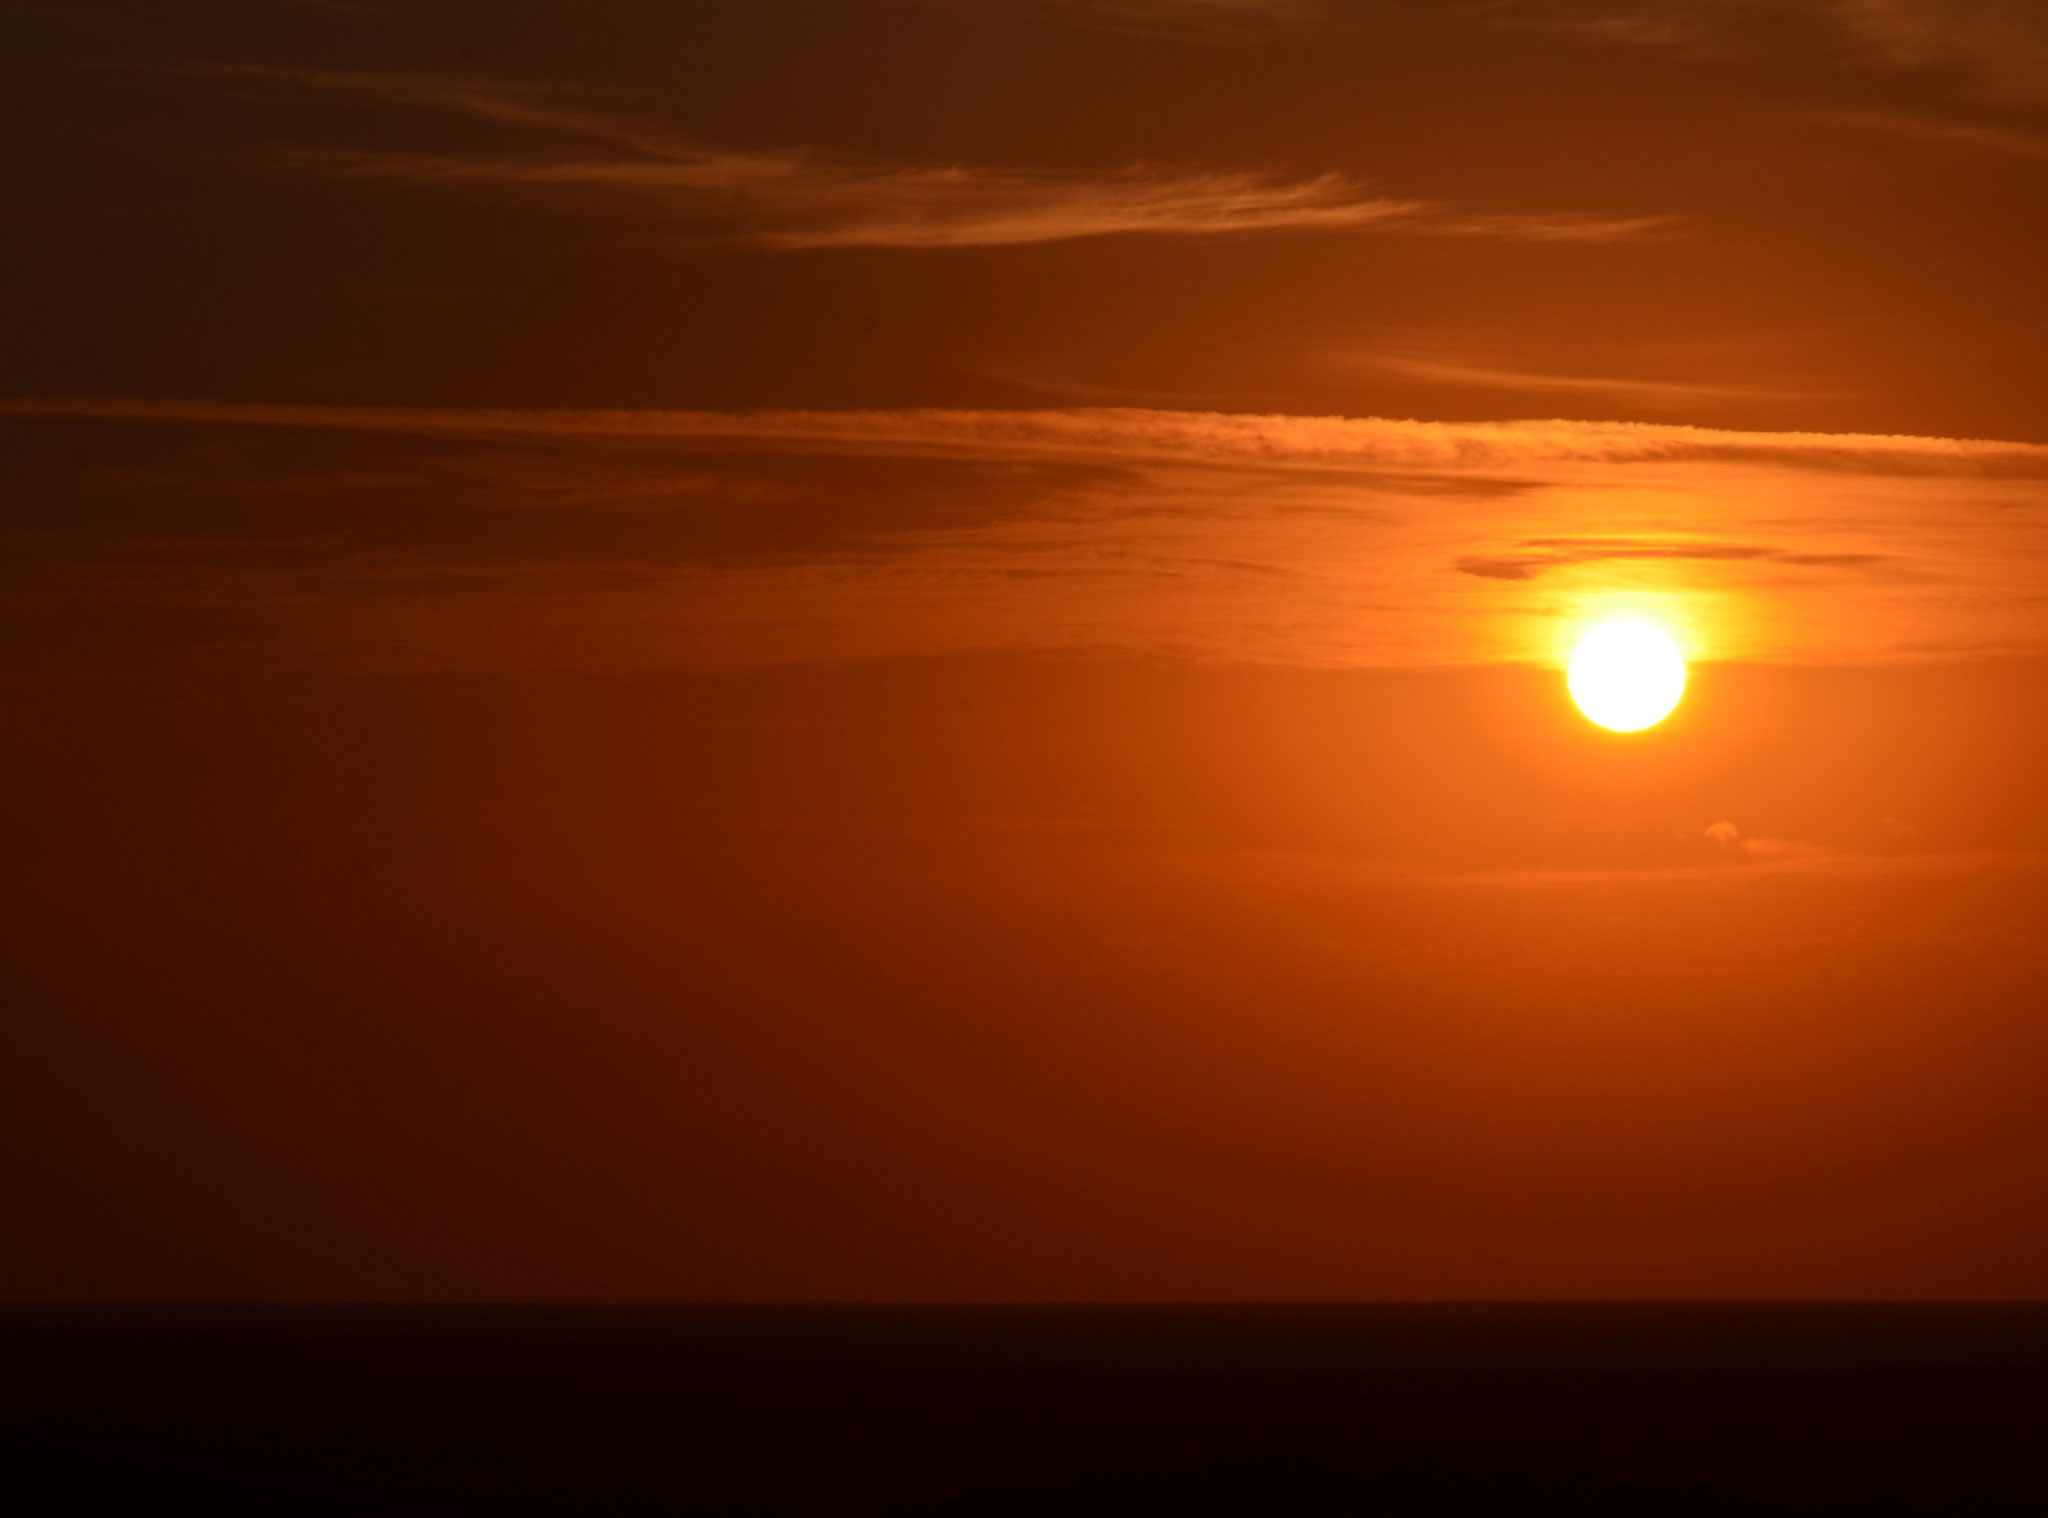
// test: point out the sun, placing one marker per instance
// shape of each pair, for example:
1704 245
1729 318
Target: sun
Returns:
1626 676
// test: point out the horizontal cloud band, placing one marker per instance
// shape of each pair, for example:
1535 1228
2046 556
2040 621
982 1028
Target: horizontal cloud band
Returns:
610 538
1121 433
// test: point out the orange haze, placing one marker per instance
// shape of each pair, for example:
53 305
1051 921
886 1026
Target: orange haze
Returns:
791 651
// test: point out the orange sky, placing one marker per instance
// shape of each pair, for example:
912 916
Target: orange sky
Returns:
783 650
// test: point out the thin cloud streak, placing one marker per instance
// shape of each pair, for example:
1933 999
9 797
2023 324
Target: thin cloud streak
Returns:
797 202
796 199
1966 136
1451 370
1997 48
1797 860
1204 20
1695 28
1544 555
477 98
1115 433
2002 44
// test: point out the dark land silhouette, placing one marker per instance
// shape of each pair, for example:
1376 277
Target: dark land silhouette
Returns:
942 1411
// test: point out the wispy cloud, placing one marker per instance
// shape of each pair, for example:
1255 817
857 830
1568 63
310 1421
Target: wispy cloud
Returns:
352 8
1731 842
1688 26
1097 433
796 201
1961 135
2001 44
796 198
1539 556
1450 369
1998 47
636 537
1200 19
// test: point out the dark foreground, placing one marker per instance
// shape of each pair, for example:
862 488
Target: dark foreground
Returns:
955 1411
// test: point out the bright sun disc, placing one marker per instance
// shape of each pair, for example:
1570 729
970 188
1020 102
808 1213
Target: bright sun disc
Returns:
1626 675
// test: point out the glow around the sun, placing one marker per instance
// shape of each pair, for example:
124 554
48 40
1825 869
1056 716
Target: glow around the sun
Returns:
1627 675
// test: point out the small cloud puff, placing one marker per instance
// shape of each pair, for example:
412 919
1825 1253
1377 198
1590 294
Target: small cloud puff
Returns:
1731 841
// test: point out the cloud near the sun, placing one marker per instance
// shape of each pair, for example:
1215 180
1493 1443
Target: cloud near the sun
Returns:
601 538
1731 842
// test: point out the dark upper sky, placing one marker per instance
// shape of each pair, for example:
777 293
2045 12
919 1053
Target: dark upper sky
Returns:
1821 215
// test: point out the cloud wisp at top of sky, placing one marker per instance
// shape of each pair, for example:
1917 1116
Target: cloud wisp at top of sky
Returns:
1997 48
1195 19
797 198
